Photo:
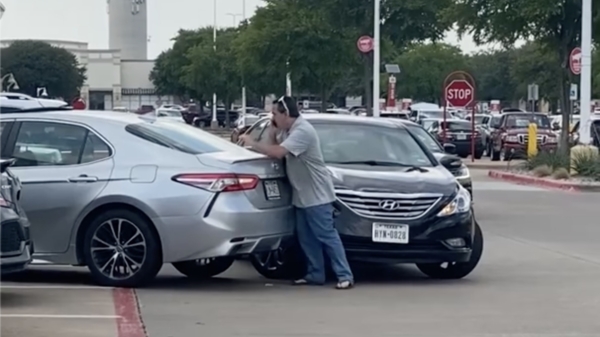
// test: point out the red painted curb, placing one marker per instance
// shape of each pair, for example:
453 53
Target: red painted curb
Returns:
129 322
529 180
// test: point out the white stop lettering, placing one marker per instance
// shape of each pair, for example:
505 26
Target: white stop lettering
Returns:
459 93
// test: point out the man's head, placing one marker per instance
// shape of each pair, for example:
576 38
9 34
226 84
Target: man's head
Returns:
285 112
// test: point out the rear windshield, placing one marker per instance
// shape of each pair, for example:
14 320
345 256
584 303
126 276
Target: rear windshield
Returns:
522 121
457 126
181 137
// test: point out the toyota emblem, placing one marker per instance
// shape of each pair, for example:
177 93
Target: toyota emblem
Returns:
389 205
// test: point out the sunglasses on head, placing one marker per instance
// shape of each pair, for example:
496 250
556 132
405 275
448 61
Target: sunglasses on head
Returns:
282 101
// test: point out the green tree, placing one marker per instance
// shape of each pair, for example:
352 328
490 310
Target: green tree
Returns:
533 64
492 73
554 24
214 70
424 68
37 64
168 72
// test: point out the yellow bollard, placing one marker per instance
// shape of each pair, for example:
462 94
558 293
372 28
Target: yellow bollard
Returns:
532 140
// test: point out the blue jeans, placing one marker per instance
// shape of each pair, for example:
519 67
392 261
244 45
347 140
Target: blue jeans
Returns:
316 233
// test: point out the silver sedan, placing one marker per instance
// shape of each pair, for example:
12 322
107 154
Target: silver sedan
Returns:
124 194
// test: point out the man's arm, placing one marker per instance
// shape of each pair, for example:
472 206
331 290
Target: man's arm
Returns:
297 142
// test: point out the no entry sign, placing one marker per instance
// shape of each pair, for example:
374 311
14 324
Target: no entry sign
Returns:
365 44
459 93
575 61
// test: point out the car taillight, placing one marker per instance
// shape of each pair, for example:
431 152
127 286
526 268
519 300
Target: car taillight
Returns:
219 182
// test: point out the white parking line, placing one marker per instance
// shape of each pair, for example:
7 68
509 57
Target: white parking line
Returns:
59 316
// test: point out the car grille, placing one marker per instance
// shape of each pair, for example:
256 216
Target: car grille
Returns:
393 206
523 139
11 237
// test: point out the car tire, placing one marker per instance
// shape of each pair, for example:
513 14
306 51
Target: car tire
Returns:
285 263
506 156
144 252
460 269
204 268
478 154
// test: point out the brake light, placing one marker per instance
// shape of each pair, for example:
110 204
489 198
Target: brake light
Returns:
219 182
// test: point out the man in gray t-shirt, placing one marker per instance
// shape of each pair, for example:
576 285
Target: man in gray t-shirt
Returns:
313 193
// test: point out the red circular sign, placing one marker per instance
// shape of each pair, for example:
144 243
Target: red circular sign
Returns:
459 93
365 44
575 61
78 104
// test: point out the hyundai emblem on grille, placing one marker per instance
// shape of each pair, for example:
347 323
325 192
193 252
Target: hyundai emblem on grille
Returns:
389 205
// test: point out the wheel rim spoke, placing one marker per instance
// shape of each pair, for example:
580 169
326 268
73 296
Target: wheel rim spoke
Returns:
123 258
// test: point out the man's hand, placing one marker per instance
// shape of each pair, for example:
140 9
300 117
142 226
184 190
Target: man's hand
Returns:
247 140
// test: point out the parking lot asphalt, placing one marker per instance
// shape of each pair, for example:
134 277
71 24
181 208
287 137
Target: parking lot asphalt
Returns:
538 277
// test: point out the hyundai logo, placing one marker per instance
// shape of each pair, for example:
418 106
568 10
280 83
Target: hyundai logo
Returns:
389 205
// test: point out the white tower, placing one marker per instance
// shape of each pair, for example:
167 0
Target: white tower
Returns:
128 28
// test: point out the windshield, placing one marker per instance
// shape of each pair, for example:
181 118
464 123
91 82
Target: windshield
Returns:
457 126
434 114
479 119
182 137
345 143
426 138
522 121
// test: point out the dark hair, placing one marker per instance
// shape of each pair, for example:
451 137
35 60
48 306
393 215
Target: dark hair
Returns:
290 103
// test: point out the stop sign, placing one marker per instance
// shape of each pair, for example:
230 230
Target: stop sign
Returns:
459 93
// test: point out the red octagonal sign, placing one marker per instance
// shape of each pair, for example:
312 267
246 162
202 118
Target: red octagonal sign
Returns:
459 93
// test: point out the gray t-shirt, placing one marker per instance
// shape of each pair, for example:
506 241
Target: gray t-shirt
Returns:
306 170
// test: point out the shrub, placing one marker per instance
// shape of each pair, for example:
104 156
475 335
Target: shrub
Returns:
554 160
542 171
586 164
561 173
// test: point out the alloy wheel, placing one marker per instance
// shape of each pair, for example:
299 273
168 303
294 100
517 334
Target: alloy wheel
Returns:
118 248
272 260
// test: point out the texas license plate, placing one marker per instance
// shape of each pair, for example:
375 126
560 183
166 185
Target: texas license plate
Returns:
461 136
272 189
390 233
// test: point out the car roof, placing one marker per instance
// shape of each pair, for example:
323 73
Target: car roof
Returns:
87 116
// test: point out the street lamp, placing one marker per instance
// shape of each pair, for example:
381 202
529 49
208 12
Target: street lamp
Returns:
2 10
12 83
214 124
586 71
234 17
243 79
376 56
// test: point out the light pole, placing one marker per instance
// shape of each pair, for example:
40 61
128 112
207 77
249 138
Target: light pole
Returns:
376 56
2 10
586 71
12 83
214 124
243 79
234 17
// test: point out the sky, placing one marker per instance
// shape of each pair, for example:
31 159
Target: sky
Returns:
87 20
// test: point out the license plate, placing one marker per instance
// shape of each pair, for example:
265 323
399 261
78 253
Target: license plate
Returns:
272 189
461 136
390 233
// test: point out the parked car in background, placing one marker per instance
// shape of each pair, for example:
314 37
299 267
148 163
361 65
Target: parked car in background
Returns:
16 248
459 132
123 194
144 109
205 119
23 101
482 124
511 132
394 203
170 114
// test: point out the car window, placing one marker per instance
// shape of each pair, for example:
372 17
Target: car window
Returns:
48 144
94 149
180 137
457 126
257 129
485 120
426 138
358 142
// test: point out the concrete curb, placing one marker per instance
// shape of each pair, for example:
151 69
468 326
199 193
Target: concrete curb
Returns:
485 166
543 182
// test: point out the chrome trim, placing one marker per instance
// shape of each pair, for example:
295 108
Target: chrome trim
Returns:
418 211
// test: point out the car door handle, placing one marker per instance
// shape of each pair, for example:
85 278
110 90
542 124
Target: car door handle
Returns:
84 178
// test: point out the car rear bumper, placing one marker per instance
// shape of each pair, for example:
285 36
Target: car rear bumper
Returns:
465 147
427 240
220 229
16 249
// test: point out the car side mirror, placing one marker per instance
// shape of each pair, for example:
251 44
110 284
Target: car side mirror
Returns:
451 162
450 148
